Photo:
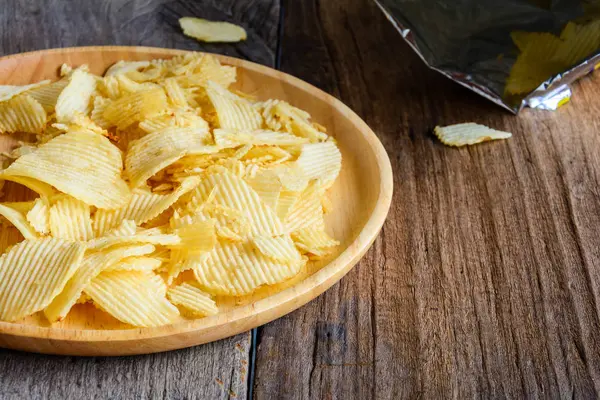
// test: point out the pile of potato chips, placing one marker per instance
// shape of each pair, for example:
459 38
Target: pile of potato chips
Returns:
153 170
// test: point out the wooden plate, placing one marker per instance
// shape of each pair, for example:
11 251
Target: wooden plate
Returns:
361 197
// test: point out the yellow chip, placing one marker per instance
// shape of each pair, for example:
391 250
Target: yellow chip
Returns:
194 300
211 31
233 111
122 67
141 208
136 264
47 95
230 138
132 297
151 236
314 240
21 206
175 119
279 248
197 237
286 202
236 194
202 69
100 104
92 265
175 93
22 114
279 115
39 215
266 183
307 210
76 96
238 268
70 219
19 220
322 161
41 188
33 272
126 228
292 176
7 92
467 134
135 107
65 162
157 150
128 86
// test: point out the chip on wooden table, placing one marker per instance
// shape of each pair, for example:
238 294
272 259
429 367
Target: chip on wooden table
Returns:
467 134
211 31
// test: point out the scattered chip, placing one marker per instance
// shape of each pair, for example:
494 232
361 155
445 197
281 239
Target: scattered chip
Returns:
467 134
193 299
211 31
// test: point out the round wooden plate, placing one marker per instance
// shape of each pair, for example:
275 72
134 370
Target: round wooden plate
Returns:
361 197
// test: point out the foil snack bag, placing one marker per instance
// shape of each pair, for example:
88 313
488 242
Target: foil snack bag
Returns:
516 53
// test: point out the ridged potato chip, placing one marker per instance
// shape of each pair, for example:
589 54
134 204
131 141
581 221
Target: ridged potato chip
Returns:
65 162
100 104
307 210
19 220
279 115
322 161
70 219
135 107
136 264
123 67
267 185
211 31
39 216
286 202
33 272
47 95
193 300
467 134
197 237
233 111
76 96
91 266
7 92
279 248
22 114
131 297
314 240
41 188
151 236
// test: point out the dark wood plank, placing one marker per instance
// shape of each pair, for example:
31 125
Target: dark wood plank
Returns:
485 280
218 370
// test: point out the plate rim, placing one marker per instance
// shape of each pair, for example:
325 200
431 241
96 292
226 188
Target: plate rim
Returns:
271 307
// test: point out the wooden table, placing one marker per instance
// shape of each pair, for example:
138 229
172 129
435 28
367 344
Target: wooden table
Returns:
485 281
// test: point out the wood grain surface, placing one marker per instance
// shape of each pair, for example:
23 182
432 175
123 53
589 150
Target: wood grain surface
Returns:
485 282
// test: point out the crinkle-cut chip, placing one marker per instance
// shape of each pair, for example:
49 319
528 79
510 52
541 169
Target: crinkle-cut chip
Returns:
242 151
19 220
47 95
75 97
231 138
81 122
136 264
292 176
109 87
209 68
91 265
175 119
280 248
279 115
314 240
266 155
39 215
175 93
41 188
142 207
157 150
322 161
233 111
135 107
22 113
327 204
468 133
237 268
128 86
286 202
122 67
132 297
33 272
307 210
7 92
70 219
268 186
234 193
192 299
154 72
197 237
142 236
65 162
100 104
211 31
126 228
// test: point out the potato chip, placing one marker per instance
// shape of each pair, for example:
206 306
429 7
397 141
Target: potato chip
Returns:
467 134
41 188
314 240
307 210
197 237
22 114
233 111
292 176
21 206
76 96
157 150
65 162
7 92
322 161
151 236
129 86
47 95
279 248
91 265
122 67
70 219
135 107
231 138
279 115
19 220
33 272
131 297
177 118
100 104
286 201
39 216
211 31
193 300
203 69
236 194
175 93
268 187
136 264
